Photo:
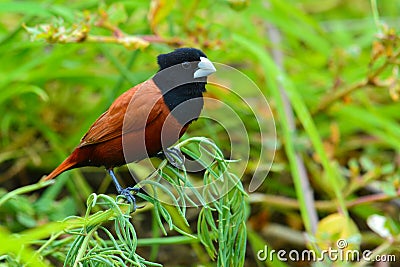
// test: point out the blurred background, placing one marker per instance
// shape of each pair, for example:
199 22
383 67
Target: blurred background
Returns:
329 70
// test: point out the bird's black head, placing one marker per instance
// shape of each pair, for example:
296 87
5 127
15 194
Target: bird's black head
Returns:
179 56
183 66
182 78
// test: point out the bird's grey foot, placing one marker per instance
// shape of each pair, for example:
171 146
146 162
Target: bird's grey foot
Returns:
124 192
129 196
173 155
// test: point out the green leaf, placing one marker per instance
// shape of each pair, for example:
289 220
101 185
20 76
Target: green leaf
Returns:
23 89
117 14
159 10
25 7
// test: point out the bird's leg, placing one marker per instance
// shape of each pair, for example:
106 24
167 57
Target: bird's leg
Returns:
125 192
173 155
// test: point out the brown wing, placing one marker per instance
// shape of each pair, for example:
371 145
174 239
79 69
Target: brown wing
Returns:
131 111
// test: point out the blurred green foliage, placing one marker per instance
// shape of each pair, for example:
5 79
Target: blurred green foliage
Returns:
339 69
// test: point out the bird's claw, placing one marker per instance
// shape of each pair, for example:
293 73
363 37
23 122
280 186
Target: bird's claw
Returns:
126 193
174 156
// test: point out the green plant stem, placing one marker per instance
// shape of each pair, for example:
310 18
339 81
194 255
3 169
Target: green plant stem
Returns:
375 13
333 177
179 222
338 94
270 69
84 245
331 98
48 242
297 238
170 240
155 247
157 39
321 205
301 179
121 78
24 190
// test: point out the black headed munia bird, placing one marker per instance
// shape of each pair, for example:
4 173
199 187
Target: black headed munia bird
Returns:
147 119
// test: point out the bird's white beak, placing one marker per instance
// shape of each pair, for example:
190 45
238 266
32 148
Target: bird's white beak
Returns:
205 68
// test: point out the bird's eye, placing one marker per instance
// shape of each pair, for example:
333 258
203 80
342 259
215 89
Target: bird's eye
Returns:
186 65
